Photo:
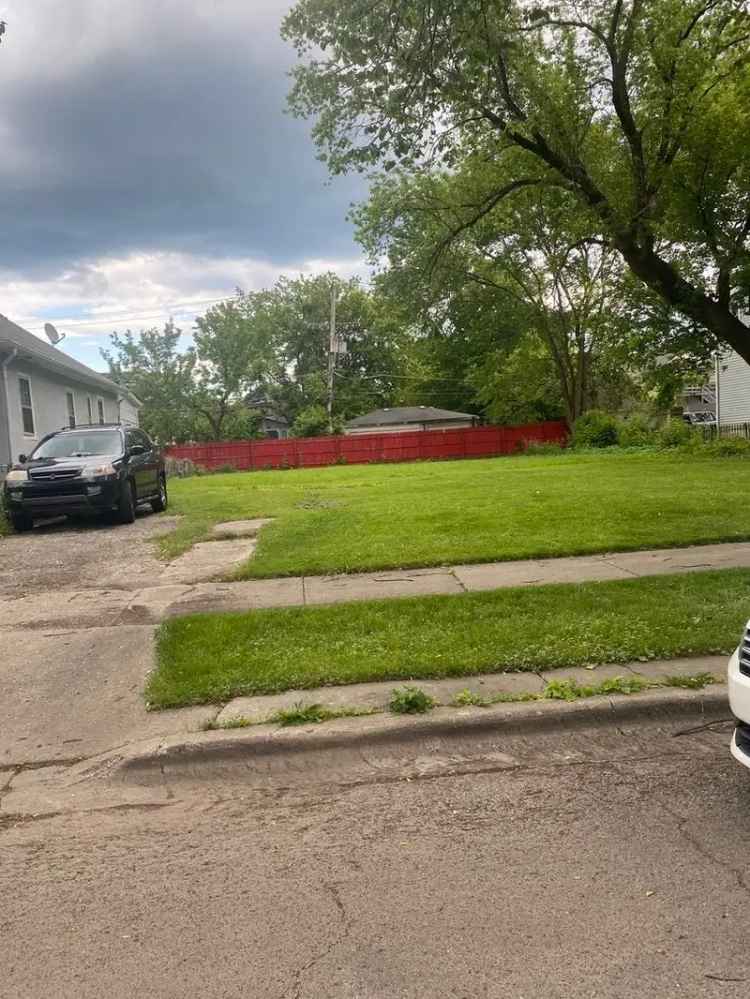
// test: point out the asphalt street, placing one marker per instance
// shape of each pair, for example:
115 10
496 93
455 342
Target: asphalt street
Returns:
591 864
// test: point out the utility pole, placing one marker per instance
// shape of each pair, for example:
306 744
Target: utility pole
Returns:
332 354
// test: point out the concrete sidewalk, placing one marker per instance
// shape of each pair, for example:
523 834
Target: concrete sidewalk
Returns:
176 596
299 591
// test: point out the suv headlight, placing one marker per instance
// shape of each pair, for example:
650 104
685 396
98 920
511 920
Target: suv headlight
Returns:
99 471
17 475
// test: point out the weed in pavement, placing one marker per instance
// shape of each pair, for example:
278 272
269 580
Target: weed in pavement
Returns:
410 701
468 699
697 682
570 690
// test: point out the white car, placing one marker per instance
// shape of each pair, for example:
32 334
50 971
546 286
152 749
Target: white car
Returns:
739 699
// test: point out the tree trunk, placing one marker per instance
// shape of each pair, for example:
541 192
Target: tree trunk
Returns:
565 372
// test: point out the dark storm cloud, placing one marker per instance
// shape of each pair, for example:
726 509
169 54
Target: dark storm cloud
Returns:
158 131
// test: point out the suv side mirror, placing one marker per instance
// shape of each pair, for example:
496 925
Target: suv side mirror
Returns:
22 459
137 449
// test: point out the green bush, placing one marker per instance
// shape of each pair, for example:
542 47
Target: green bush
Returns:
677 433
729 447
636 432
596 429
313 422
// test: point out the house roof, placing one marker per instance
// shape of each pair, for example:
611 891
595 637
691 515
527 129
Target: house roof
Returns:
407 414
275 418
266 409
14 337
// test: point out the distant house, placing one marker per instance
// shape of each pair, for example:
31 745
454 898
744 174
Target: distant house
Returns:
732 389
272 424
43 389
403 419
699 403
724 398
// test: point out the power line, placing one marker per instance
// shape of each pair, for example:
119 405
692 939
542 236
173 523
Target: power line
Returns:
393 375
106 321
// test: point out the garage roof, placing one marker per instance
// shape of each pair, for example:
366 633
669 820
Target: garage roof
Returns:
408 414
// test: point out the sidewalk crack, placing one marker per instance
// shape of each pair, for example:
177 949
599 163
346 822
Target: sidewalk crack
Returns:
621 568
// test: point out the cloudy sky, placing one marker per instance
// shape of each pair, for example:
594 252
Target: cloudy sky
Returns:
147 166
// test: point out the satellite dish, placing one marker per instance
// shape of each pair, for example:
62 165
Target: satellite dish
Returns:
52 335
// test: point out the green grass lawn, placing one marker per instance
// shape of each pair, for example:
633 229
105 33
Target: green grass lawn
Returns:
209 658
387 516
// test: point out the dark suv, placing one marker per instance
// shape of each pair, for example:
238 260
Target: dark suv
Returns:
105 467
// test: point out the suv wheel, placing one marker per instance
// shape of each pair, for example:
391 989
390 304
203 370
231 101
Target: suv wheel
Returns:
21 521
159 505
126 506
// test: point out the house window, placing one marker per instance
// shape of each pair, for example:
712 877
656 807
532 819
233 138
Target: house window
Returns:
71 404
89 409
100 409
27 407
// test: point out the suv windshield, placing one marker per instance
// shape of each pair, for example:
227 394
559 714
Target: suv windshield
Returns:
80 445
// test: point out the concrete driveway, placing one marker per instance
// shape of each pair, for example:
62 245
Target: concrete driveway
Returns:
68 691
81 554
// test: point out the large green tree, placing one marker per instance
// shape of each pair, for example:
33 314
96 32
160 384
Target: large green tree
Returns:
453 324
537 268
152 366
291 324
638 110
232 357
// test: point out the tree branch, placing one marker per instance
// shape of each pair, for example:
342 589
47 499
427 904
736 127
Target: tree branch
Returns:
485 208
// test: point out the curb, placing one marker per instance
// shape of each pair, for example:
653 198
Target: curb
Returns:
665 708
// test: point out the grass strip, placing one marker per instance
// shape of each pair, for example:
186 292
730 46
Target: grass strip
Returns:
211 658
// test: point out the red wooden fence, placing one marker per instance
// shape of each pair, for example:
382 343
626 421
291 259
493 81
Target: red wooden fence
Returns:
360 449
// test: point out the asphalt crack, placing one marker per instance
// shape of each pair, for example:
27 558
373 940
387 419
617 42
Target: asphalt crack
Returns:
295 989
7 786
11 819
60 761
704 851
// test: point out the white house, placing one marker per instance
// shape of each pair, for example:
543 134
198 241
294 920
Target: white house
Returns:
732 389
43 389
